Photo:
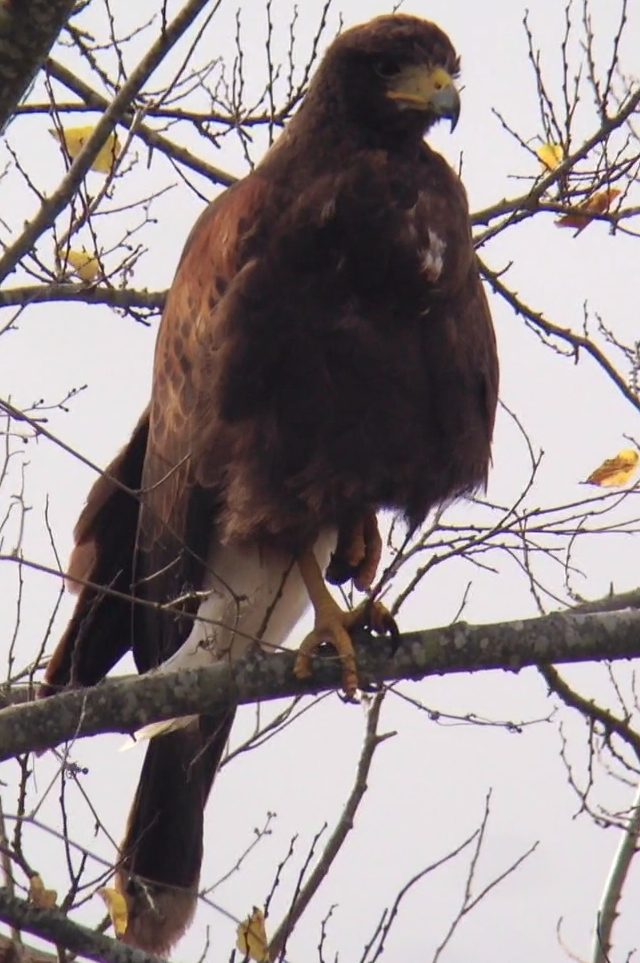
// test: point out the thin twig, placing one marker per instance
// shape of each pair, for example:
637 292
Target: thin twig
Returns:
56 203
340 832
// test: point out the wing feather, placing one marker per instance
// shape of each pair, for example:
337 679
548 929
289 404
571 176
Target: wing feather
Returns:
178 513
99 632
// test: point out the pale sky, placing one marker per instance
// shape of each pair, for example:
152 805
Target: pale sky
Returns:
428 784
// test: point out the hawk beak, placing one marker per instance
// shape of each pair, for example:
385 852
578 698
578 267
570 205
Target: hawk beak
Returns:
430 89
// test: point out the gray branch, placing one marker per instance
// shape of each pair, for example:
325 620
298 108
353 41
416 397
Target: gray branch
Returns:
126 704
28 31
614 886
89 294
54 927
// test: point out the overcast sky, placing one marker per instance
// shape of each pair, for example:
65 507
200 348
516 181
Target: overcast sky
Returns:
428 784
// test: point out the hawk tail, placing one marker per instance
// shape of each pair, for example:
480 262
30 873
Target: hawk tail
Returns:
161 855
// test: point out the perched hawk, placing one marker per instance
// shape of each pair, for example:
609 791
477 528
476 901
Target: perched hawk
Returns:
326 351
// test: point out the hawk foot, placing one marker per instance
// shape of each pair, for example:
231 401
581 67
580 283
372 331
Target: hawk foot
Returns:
333 626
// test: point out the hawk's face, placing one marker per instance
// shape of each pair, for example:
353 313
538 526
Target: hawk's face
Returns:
393 76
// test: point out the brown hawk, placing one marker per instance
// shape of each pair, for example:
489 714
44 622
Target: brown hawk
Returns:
326 351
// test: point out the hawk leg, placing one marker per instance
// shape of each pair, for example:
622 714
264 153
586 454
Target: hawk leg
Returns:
333 624
357 553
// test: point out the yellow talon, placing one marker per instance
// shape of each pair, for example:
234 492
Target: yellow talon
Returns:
333 625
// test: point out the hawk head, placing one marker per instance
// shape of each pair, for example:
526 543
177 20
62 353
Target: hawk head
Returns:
391 78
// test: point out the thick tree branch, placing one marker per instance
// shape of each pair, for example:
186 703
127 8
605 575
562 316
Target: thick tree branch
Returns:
611 602
28 30
89 294
52 925
126 704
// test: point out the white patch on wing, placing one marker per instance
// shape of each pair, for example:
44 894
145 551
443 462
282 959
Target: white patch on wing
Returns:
253 596
432 257
328 210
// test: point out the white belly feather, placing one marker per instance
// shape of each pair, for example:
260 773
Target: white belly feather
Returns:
253 596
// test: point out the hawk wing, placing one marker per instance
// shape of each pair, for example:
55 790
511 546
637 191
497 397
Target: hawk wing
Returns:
146 516
100 573
178 513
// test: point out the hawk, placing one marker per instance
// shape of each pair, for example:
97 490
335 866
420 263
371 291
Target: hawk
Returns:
326 351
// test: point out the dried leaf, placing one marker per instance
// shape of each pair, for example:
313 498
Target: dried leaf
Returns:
40 896
252 937
117 906
597 204
84 264
615 471
76 137
551 155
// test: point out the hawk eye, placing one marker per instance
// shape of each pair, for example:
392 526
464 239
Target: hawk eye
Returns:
387 67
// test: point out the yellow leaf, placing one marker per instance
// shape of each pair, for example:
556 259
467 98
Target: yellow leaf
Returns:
551 155
117 906
76 137
615 471
39 896
252 937
598 204
85 265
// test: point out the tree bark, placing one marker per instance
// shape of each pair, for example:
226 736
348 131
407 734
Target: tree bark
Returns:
52 925
28 31
126 704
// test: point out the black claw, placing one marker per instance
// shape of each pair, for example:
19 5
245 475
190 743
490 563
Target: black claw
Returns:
387 626
348 699
394 634
339 570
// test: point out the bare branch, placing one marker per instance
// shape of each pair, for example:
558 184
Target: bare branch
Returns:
590 709
612 894
525 204
151 138
54 926
344 825
577 341
127 704
85 293
55 204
